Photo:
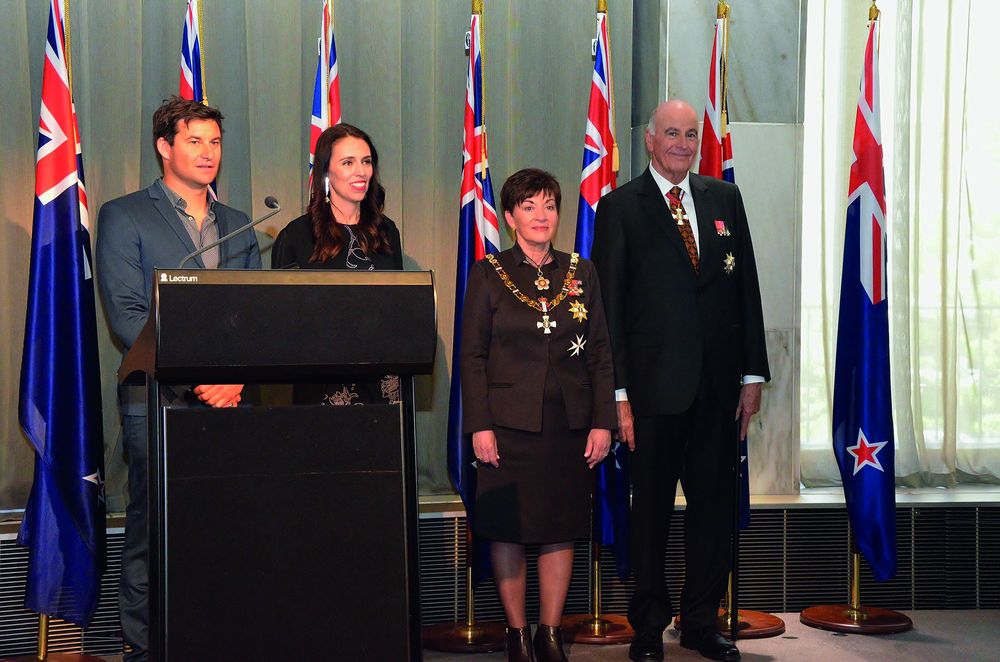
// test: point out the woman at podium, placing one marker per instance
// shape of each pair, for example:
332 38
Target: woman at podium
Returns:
538 399
344 227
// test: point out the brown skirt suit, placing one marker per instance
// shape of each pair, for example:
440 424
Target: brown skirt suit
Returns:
541 393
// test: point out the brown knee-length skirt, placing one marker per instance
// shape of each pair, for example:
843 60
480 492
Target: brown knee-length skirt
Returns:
541 491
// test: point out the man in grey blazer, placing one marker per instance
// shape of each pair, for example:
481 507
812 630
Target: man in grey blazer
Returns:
680 287
137 233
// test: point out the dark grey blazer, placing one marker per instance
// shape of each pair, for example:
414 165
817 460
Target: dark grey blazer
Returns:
140 232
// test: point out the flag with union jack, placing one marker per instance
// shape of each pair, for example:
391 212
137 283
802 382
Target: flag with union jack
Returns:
191 84
716 144
478 234
60 394
717 161
326 88
862 403
597 177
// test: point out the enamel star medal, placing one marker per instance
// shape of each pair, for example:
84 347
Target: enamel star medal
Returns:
579 311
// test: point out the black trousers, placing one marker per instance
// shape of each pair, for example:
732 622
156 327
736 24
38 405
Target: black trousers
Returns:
695 447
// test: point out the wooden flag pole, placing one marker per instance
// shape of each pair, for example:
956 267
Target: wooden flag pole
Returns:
854 617
466 636
43 655
596 627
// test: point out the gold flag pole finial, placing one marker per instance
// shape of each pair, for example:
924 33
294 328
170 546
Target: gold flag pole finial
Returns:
873 12
723 13
69 60
602 7
201 49
477 8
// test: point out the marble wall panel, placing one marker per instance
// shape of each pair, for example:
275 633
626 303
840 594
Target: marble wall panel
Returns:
766 50
773 435
768 170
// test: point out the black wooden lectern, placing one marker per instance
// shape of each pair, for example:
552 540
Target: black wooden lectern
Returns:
283 533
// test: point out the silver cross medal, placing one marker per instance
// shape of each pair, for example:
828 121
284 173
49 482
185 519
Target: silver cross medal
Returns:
546 324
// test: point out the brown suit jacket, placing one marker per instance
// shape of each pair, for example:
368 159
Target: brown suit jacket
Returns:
505 356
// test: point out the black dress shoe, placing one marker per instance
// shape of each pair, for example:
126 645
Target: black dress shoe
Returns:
645 649
710 644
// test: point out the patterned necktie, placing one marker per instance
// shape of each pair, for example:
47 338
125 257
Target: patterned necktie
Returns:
674 196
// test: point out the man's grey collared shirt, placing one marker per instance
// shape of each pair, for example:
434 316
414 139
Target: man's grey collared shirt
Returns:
209 228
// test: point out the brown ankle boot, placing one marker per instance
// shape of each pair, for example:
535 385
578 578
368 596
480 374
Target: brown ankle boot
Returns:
549 644
519 644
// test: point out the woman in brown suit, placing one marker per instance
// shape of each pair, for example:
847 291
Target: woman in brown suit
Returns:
538 399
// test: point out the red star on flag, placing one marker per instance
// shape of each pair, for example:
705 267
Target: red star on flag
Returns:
866 453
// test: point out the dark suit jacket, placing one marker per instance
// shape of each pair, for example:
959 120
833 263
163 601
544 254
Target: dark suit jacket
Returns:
670 328
504 356
140 232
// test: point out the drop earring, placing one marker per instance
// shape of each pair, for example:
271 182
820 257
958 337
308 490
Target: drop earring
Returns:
326 185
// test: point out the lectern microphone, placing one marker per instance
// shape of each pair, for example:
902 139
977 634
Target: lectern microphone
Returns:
270 202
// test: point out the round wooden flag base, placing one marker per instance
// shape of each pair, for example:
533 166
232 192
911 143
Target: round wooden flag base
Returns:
56 657
585 629
753 624
866 620
459 637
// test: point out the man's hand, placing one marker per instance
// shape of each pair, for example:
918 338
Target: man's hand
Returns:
626 430
748 406
598 444
219 395
484 444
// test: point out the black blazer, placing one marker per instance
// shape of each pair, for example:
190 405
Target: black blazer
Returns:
670 328
296 242
504 356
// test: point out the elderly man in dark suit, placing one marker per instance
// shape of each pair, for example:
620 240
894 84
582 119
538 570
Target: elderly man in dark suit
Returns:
677 269
156 228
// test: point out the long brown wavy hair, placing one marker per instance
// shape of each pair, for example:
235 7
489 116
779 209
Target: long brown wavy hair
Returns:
330 236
